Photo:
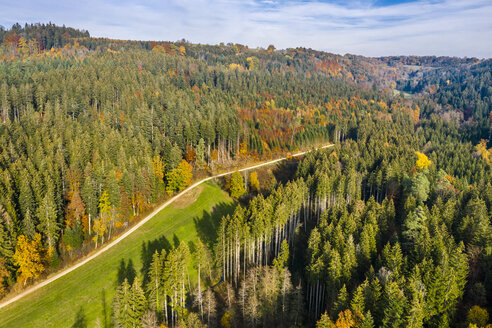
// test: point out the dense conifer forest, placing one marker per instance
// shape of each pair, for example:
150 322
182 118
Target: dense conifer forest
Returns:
391 227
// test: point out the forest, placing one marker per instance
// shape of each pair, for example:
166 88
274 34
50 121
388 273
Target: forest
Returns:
391 227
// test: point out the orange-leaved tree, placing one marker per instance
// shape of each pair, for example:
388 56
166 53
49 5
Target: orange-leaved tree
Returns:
4 273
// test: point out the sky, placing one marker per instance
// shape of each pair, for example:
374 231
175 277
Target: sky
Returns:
363 27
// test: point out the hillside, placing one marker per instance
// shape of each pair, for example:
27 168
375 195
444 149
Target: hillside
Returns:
94 132
82 291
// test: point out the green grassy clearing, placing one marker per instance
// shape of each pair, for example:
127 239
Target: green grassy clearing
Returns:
91 288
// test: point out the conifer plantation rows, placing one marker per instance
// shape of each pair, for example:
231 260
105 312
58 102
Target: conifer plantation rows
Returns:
389 228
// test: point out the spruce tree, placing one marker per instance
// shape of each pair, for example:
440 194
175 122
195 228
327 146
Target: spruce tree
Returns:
342 301
138 303
154 284
368 321
48 225
200 152
396 303
122 312
29 226
358 302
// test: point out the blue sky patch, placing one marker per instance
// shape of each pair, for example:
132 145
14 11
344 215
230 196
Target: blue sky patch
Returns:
365 27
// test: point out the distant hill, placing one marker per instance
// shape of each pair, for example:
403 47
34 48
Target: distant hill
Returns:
46 35
96 131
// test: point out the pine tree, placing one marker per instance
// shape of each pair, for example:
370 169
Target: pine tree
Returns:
417 306
394 311
90 199
325 322
172 156
280 262
48 225
26 196
342 301
73 237
122 313
373 296
29 225
419 187
200 152
368 321
138 303
154 285
358 303
6 245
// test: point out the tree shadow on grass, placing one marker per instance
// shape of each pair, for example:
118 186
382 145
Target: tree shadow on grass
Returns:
105 323
126 271
148 250
176 241
80 319
208 224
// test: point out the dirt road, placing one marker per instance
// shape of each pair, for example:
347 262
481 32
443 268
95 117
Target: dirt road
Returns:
135 227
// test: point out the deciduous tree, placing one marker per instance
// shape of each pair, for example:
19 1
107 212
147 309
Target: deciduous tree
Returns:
237 185
28 258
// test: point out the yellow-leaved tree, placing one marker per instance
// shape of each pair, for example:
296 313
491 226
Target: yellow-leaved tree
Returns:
254 183
99 229
422 161
485 153
477 317
106 217
237 185
179 178
158 166
27 256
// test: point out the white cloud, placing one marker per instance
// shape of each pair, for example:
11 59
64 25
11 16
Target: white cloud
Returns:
425 27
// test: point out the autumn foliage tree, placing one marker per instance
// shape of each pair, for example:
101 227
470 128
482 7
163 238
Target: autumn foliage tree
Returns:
75 209
422 161
179 178
254 183
4 273
477 316
237 185
28 257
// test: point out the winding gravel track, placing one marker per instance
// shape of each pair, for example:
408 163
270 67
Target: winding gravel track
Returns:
135 227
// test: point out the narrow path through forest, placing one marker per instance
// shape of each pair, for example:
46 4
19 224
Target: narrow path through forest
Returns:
135 227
